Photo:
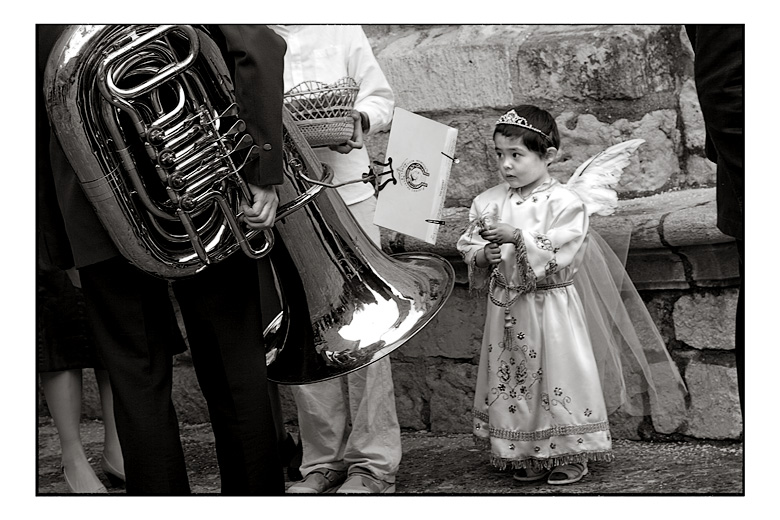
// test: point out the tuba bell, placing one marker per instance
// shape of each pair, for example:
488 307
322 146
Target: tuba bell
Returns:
345 303
147 117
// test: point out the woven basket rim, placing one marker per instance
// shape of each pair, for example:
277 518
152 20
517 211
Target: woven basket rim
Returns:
313 86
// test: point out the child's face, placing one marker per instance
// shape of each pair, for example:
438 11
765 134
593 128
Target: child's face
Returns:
519 166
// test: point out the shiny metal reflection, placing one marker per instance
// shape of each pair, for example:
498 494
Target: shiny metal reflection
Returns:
347 303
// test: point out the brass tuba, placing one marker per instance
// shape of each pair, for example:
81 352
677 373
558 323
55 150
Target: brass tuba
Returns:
147 117
346 303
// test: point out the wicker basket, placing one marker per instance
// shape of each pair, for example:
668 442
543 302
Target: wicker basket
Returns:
323 112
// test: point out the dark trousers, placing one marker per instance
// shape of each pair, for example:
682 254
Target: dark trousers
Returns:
135 331
720 78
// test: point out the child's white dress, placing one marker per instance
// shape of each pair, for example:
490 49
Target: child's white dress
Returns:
538 398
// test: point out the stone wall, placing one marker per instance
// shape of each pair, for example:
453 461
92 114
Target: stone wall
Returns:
604 84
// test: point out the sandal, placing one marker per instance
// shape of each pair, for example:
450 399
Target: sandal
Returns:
530 474
568 473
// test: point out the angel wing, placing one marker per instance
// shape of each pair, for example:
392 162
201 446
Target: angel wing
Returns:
594 180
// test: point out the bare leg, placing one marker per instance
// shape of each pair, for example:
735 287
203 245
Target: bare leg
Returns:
113 463
63 397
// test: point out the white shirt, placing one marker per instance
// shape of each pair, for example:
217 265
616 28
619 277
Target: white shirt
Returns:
327 53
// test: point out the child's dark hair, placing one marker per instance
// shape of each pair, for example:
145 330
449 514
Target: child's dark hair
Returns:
534 141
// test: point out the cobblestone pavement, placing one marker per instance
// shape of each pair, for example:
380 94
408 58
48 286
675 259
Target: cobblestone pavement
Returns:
450 464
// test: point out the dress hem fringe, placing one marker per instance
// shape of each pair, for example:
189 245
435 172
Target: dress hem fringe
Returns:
543 464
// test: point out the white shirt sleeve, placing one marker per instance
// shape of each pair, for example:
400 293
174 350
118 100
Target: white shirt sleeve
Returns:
376 97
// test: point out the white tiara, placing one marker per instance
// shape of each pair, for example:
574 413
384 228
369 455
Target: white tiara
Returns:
511 118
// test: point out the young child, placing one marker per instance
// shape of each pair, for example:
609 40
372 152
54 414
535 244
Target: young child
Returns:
539 399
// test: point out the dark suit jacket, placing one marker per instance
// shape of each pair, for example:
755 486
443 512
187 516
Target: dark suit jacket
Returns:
255 56
720 78
74 234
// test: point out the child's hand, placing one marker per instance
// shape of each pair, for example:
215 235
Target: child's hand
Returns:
492 253
499 233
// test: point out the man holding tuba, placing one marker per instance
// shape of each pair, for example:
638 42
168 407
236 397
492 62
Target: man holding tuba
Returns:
132 315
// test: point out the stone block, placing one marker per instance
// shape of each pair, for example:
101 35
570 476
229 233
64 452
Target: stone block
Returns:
714 402
448 67
692 120
644 234
477 169
660 306
647 213
699 172
412 394
652 165
693 225
581 63
706 320
667 405
656 269
616 231
454 333
713 265
624 426
452 396
659 162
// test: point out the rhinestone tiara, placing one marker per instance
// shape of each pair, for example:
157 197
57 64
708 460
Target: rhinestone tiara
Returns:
511 118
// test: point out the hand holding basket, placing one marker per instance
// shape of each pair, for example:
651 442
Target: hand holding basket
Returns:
323 112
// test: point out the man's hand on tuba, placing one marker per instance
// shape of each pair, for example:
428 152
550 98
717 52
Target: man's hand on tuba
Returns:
262 213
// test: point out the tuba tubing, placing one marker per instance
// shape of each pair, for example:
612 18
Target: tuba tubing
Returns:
147 118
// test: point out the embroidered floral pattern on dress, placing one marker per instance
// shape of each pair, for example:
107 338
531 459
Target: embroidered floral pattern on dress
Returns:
542 242
558 399
515 378
551 267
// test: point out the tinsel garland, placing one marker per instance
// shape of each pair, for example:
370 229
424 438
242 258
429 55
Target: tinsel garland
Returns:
526 285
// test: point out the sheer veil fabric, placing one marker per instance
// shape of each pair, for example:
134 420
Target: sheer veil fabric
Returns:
638 375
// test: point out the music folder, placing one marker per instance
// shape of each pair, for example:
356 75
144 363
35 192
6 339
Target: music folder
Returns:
422 152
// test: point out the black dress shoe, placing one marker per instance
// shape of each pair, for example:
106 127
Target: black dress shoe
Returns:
115 477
